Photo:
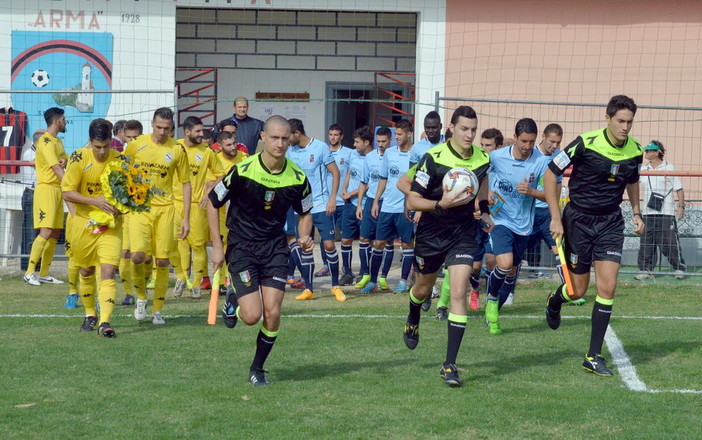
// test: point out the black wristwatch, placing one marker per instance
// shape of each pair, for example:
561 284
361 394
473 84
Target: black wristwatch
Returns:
437 207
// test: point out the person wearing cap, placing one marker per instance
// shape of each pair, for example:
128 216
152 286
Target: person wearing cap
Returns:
660 212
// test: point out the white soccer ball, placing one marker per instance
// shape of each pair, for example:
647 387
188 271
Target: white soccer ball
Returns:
461 181
40 78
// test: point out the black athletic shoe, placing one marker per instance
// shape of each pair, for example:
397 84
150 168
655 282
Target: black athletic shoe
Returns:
105 330
222 290
426 305
553 316
89 324
257 377
442 313
229 314
449 373
411 336
346 279
597 365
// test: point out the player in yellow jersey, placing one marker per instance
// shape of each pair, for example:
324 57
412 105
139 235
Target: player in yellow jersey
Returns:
204 166
50 163
151 233
81 186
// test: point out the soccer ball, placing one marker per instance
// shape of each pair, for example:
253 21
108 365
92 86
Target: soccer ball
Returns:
40 78
461 180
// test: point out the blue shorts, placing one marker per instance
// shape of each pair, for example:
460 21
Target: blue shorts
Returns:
325 225
542 229
393 225
350 226
504 241
337 217
483 239
369 224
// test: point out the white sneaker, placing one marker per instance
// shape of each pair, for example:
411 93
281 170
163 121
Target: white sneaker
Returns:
158 319
644 275
510 300
179 288
435 292
32 279
195 292
679 274
140 311
49 280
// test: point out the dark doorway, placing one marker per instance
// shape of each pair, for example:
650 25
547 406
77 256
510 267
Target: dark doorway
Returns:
349 106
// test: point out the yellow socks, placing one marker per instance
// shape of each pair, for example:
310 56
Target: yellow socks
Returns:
47 256
73 274
199 264
35 254
160 288
125 273
87 293
108 293
138 280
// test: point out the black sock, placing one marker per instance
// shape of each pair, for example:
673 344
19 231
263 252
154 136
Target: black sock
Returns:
475 281
415 309
557 298
600 321
264 345
455 336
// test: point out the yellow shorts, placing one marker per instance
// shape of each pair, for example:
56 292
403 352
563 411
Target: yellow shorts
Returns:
48 207
125 231
152 232
90 249
199 230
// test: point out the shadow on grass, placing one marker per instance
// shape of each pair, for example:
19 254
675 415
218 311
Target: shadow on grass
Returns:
319 370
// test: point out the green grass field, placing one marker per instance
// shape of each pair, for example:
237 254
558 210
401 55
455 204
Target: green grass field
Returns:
341 370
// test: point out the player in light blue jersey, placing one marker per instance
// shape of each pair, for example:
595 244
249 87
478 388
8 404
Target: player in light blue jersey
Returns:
350 225
515 173
432 130
313 157
368 188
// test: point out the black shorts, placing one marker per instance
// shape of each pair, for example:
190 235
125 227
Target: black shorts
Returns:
436 244
591 238
254 263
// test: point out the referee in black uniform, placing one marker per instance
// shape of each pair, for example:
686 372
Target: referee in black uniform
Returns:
260 190
605 163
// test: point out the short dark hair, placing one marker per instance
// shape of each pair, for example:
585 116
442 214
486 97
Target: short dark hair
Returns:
526 125
296 125
227 123
465 111
661 148
404 125
163 113
133 124
223 136
100 130
493 133
384 131
432 116
51 114
619 102
336 127
119 126
190 122
364 133
553 128
207 134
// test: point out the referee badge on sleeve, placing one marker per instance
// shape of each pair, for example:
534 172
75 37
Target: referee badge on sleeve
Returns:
221 191
562 160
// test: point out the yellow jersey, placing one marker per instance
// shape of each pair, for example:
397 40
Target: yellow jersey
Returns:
204 167
227 164
49 151
83 176
161 163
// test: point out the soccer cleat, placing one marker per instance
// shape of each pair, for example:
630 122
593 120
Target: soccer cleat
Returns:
71 301
442 313
679 274
534 274
371 287
365 279
229 314
449 373
492 316
49 280
338 293
299 284
435 292
305 295
188 283
577 302
128 300
346 279
323 272
88 324
179 288
494 328
401 287
105 330
157 319
426 305
597 365
257 377
140 310
290 281
151 284
510 300
383 283
222 290
196 293
474 301
411 336
644 275
32 279
206 284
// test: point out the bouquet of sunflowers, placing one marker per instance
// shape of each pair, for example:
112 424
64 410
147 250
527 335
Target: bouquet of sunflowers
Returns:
125 187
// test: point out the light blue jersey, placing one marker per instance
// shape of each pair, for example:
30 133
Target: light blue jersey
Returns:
517 212
371 172
355 170
341 157
313 160
559 179
395 165
420 148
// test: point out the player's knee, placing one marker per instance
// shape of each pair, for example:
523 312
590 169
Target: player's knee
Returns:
138 258
162 262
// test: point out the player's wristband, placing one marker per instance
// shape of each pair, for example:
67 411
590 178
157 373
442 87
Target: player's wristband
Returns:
484 207
639 214
437 207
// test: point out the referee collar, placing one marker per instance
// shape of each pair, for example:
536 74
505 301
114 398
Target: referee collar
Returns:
282 170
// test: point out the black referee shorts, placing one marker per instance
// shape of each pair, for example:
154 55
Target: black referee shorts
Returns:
591 238
253 264
436 244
